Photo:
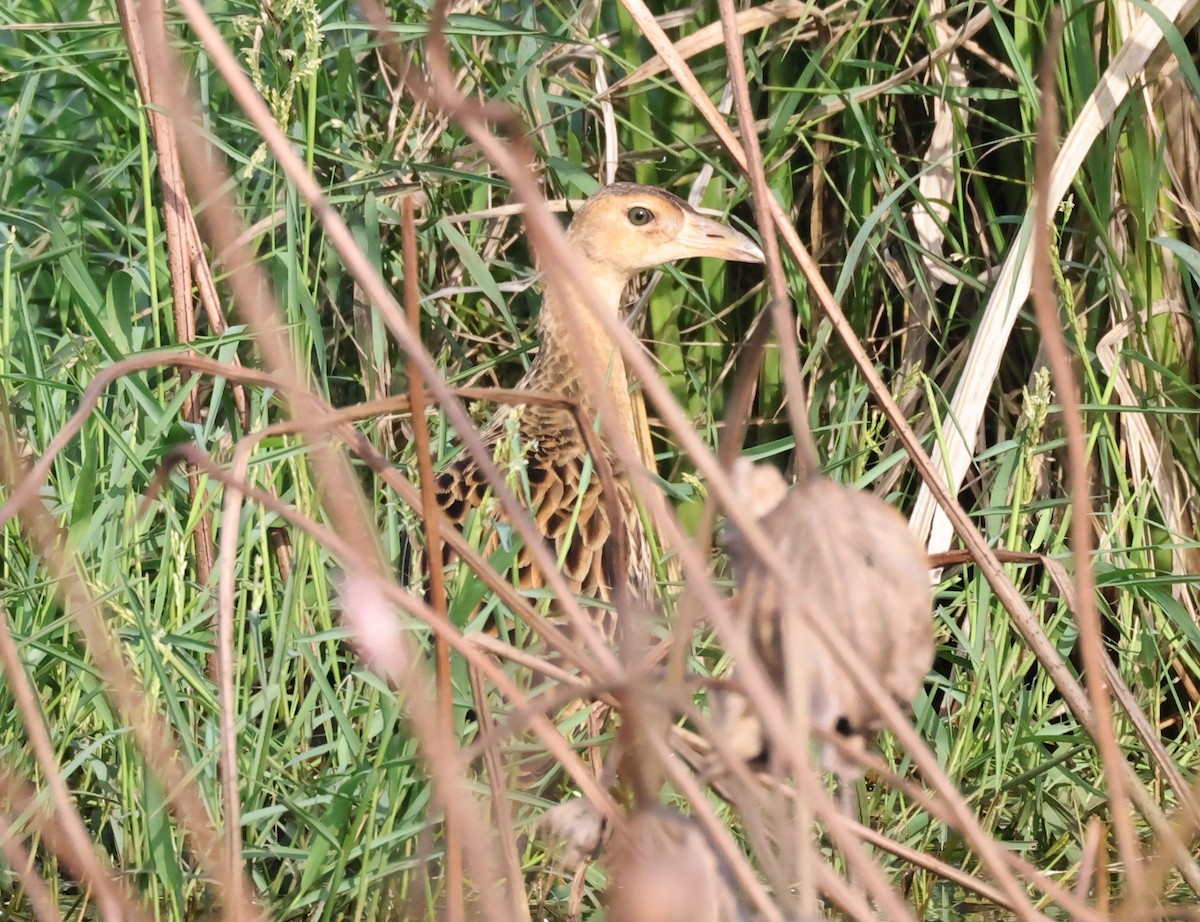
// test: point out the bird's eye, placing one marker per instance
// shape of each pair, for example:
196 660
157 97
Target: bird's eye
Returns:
639 217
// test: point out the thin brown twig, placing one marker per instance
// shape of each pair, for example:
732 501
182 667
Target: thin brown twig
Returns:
1078 475
1022 616
150 732
733 432
175 209
377 290
431 522
226 663
412 605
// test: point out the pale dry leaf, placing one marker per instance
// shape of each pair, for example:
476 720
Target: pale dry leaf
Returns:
757 17
936 185
864 575
952 455
663 870
574 830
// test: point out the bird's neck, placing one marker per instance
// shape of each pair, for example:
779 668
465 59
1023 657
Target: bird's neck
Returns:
572 337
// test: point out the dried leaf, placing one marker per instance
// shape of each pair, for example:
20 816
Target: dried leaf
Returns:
750 20
864 574
575 828
936 186
952 456
663 870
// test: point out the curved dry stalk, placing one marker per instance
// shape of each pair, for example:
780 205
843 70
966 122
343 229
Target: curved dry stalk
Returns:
1059 359
152 735
30 484
1012 285
1022 616
380 295
114 899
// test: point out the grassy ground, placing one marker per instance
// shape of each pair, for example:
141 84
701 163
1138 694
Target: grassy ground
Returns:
339 817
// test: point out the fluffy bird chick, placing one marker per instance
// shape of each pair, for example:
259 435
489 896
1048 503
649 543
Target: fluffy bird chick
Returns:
861 571
619 232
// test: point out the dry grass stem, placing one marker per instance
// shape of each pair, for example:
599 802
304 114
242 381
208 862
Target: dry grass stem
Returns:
403 679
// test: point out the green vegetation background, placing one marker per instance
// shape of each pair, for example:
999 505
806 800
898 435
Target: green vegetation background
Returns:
337 819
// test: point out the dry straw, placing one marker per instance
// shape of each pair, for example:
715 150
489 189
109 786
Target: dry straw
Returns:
843 662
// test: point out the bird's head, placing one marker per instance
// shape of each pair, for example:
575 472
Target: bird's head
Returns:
626 228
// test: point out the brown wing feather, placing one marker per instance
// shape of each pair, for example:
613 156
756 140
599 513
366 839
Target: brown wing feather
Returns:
594 554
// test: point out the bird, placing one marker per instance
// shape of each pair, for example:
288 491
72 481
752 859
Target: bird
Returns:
617 233
862 572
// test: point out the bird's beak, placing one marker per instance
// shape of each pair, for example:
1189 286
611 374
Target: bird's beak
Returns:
702 236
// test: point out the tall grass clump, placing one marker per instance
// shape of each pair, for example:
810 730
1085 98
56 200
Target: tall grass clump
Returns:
212 495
